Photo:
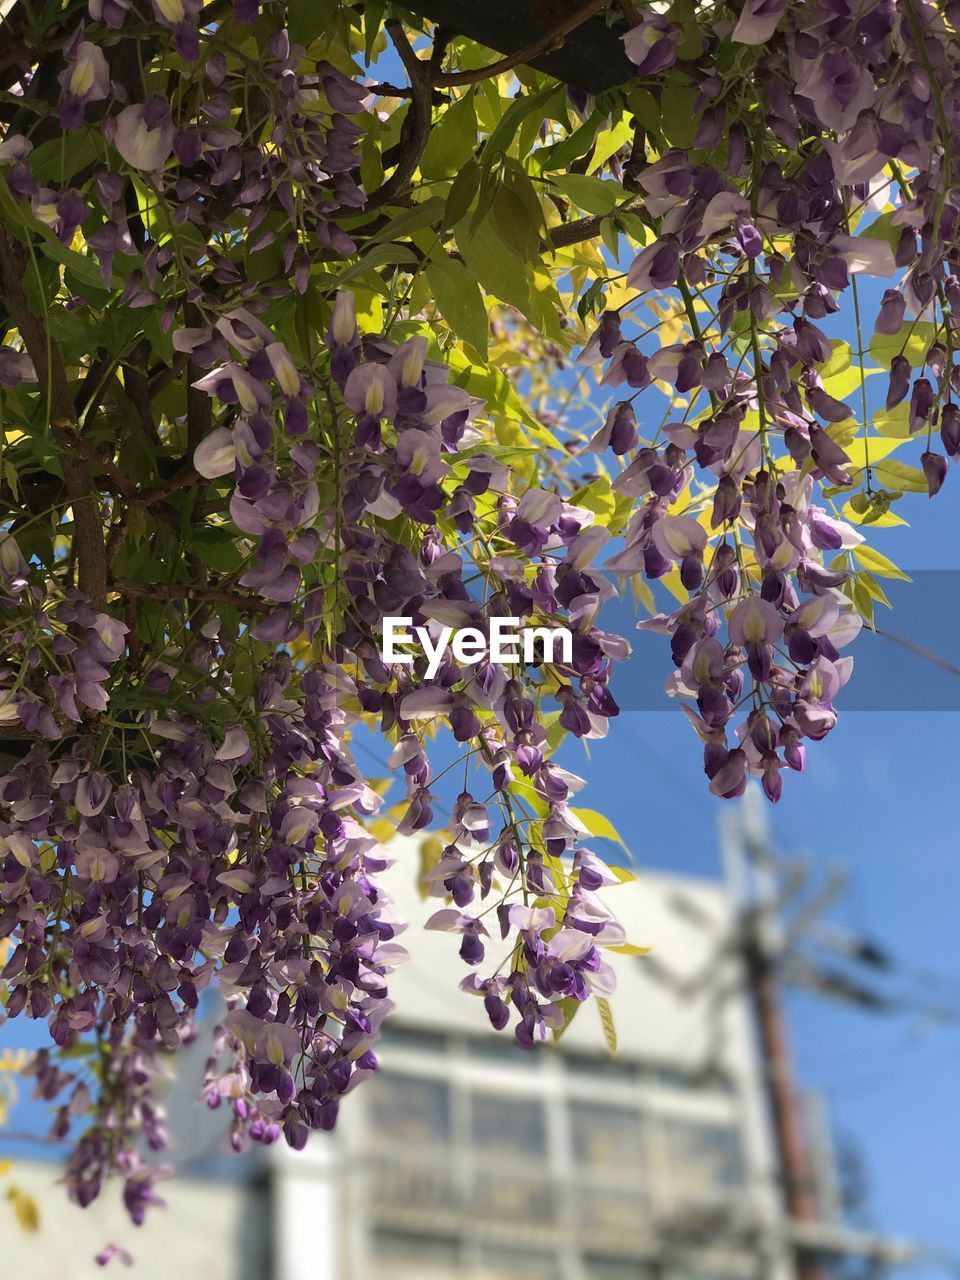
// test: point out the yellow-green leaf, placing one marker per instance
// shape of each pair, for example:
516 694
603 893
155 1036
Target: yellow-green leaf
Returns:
900 478
609 1029
460 301
24 1208
878 563
598 825
453 139
912 341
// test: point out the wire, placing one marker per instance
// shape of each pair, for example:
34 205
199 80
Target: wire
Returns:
927 654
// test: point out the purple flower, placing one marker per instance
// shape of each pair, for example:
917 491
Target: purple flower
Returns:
935 469
892 309
754 622
619 431
216 454
950 430
15 367
144 134
758 20
111 1251
371 392
110 12
655 267
652 45
179 16
85 79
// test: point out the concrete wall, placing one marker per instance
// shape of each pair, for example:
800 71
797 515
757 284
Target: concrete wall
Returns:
208 1231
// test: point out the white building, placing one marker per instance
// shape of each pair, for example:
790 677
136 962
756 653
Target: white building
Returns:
469 1158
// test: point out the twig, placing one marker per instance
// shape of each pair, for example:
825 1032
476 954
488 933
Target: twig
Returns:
554 37
193 595
180 479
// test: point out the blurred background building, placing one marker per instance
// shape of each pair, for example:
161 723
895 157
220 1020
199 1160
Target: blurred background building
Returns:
686 1156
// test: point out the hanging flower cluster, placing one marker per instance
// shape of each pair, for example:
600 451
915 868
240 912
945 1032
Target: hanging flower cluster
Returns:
770 603
250 411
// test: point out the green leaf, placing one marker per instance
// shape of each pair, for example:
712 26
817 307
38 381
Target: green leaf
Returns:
864 602
512 221
216 548
373 11
308 19
425 214
597 496
563 153
894 422
379 255
58 161
684 12
629 949
881 228
505 131
877 563
912 340
594 195
873 588
460 301
453 139
679 121
518 185
498 269
462 192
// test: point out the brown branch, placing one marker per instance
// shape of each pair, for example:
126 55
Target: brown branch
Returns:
192 595
399 91
550 40
136 383
91 555
415 130
587 228
637 161
79 445
184 476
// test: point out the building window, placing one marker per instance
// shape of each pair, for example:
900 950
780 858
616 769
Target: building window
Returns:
596 1268
508 1151
511 1128
402 1255
703 1160
606 1139
499 1263
407 1110
485 1164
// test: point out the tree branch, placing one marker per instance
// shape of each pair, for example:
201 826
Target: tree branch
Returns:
192 595
550 40
415 131
91 554
587 228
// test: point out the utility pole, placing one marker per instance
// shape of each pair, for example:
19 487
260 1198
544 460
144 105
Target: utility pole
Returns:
747 861
776 936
